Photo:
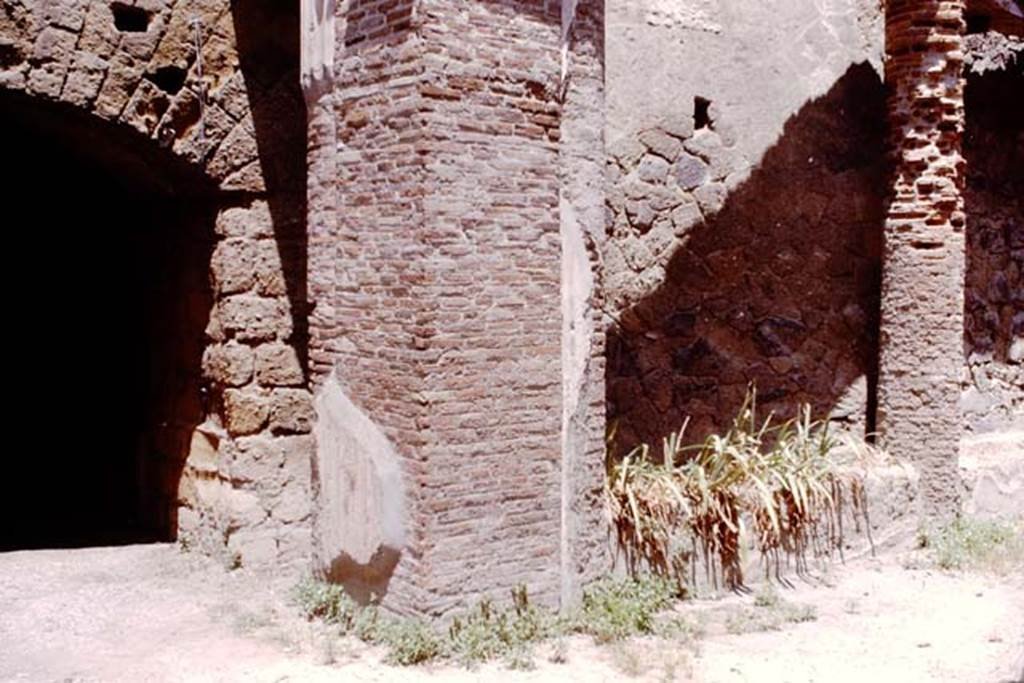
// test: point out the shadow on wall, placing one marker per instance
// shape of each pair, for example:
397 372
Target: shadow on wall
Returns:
268 36
994 295
780 287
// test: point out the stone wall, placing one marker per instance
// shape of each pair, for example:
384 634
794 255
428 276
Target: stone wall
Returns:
478 262
993 400
746 176
211 87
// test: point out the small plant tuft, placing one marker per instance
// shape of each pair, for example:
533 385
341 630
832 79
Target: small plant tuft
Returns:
488 633
768 597
614 609
770 613
408 641
325 601
976 544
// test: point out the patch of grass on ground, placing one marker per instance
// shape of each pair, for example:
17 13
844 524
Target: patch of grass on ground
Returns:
652 658
612 610
487 632
770 613
408 641
977 544
330 603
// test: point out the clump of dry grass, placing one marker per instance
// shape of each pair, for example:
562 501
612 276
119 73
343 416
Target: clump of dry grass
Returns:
785 480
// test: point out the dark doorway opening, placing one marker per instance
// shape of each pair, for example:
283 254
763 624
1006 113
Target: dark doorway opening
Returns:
108 301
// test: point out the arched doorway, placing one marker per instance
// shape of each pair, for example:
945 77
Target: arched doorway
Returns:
108 299
158 305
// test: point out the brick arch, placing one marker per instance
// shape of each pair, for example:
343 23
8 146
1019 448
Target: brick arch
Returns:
227 120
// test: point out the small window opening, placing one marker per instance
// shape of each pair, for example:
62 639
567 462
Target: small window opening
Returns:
701 113
9 56
978 23
170 79
128 19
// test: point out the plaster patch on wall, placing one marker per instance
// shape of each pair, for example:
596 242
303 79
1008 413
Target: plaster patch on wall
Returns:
992 468
699 15
317 66
359 506
577 290
577 336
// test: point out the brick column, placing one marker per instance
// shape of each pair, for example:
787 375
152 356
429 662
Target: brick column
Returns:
460 428
923 271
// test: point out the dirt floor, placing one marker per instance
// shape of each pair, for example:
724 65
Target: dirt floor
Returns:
152 613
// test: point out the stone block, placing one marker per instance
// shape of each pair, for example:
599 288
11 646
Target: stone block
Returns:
652 169
686 216
627 150
228 364
253 318
706 144
293 504
711 198
232 266
269 269
690 172
277 365
253 220
661 143
253 547
84 79
245 412
123 77
291 411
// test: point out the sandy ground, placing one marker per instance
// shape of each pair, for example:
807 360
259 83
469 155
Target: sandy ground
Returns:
150 613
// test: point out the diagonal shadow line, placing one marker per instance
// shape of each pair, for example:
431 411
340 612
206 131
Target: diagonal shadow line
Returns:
781 287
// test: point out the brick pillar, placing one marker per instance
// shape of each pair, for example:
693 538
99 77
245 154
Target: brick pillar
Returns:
487 482
459 428
923 271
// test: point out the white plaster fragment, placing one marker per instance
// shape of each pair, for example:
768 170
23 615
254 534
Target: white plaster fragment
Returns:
360 499
317 67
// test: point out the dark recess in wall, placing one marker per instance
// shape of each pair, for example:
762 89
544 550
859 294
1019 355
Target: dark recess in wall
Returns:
109 329
701 113
994 202
170 79
129 19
